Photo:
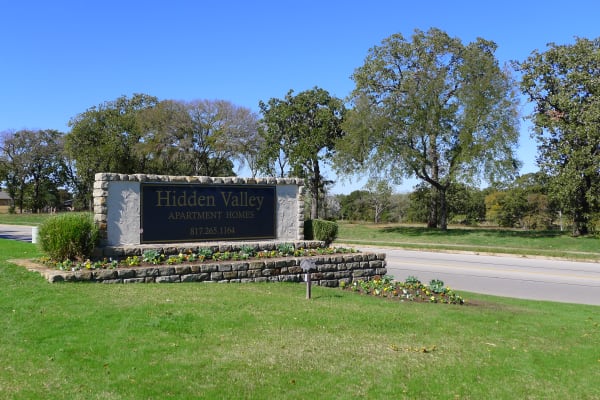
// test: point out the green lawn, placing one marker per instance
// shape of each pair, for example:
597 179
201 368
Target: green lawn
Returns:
266 341
543 243
23 219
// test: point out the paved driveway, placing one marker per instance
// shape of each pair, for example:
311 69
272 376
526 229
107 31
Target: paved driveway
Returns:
16 232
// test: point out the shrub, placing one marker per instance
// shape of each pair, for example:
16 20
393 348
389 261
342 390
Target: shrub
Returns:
437 286
70 236
318 229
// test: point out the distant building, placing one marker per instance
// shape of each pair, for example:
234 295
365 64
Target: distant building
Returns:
5 202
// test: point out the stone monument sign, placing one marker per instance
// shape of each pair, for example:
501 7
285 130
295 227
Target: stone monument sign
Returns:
140 209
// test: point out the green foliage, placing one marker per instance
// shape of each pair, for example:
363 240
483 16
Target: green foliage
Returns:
318 229
249 251
301 130
153 257
437 286
379 196
465 204
434 109
286 249
33 166
213 133
563 84
69 236
523 204
410 290
103 139
140 134
157 257
355 206
205 252
412 280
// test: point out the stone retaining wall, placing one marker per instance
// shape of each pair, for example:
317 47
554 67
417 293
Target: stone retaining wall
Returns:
329 271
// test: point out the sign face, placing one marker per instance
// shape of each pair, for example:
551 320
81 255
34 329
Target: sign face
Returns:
174 212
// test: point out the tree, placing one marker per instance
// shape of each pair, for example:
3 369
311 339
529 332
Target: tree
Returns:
379 196
434 109
564 84
104 138
220 133
14 169
143 135
162 148
465 204
34 167
200 137
524 203
305 127
355 206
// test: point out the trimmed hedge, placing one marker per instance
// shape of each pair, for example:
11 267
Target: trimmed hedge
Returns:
318 229
70 236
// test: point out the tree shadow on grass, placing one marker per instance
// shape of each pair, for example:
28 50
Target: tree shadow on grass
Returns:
456 232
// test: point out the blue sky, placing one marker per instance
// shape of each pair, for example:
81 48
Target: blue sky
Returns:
59 58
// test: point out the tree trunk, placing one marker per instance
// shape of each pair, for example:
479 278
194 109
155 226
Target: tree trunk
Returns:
432 221
443 208
314 191
434 182
314 204
582 210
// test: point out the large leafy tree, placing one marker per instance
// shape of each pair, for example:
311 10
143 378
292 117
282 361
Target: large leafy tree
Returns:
219 133
103 139
201 137
143 135
303 129
33 167
435 109
564 84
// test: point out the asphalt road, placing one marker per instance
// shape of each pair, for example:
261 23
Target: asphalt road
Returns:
518 277
16 232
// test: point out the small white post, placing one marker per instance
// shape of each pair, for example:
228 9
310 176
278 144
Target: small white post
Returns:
307 265
34 234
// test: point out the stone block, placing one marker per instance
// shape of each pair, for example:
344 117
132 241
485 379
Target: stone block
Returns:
192 278
166 271
125 273
134 280
105 274
209 268
183 269
224 268
168 279
230 275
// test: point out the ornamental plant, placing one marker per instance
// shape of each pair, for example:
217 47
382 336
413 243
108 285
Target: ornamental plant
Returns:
410 290
158 257
318 229
69 236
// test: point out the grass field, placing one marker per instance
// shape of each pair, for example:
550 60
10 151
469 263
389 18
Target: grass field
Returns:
258 341
23 219
542 243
